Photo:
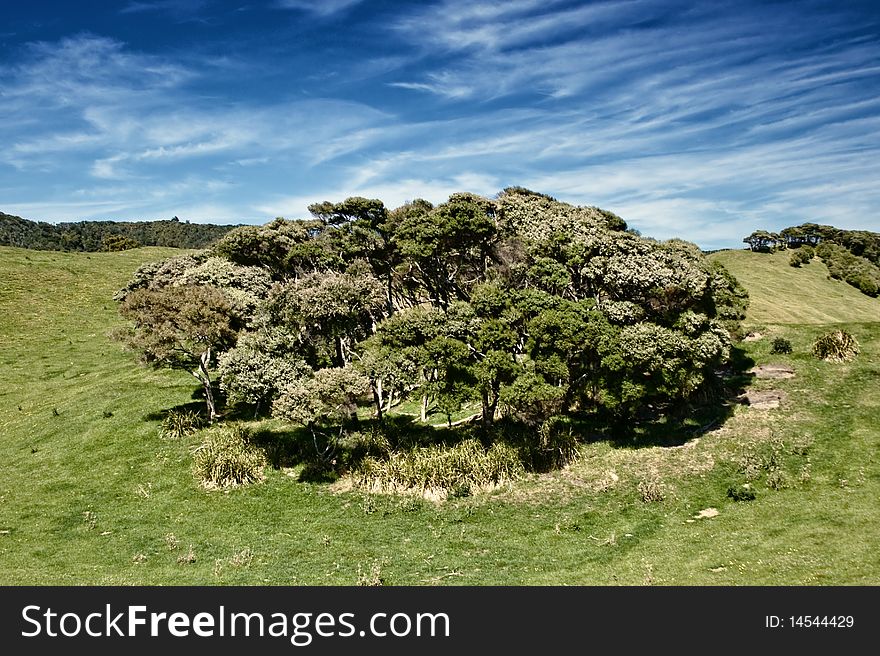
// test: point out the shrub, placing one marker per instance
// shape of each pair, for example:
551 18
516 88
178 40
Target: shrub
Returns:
836 346
227 459
857 271
777 479
863 281
742 492
802 255
781 345
180 423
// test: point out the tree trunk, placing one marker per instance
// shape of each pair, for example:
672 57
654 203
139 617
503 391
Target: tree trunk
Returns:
377 397
488 410
389 294
424 408
390 400
340 359
205 379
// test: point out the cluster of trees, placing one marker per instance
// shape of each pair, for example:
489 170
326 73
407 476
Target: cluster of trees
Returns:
94 236
857 271
762 241
527 307
802 255
861 243
851 255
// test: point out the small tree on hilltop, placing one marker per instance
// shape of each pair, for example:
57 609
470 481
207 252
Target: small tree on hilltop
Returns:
181 327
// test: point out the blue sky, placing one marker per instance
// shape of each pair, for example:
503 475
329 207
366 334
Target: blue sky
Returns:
703 120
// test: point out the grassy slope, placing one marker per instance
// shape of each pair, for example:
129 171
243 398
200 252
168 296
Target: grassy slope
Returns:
782 294
84 496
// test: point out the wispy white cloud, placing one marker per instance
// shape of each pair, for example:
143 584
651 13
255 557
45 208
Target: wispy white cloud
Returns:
318 7
687 119
393 194
93 111
180 9
502 26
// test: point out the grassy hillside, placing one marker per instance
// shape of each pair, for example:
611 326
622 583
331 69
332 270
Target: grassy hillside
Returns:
781 294
90 492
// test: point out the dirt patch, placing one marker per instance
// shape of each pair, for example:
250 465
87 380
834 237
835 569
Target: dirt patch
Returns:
764 400
772 371
753 337
707 513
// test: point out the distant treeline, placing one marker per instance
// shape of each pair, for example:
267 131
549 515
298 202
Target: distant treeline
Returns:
850 255
106 235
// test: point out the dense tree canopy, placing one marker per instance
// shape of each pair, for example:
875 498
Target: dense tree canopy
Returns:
523 305
106 235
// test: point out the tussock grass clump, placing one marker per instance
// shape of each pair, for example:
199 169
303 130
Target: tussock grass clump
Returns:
836 346
441 469
557 445
227 459
180 423
651 488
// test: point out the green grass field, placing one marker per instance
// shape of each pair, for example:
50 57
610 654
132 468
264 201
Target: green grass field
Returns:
782 294
91 494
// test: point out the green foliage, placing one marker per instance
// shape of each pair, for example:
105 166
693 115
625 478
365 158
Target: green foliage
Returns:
446 247
114 243
742 492
332 310
180 423
260 366
159 274
802 255
328 398
531 399
322 403
763 241
780 345
836 346
282 246
106 235
860 243
855 270
180 327
226 459
850 255
529 307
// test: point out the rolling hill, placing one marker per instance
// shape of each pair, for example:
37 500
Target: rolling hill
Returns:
781 294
